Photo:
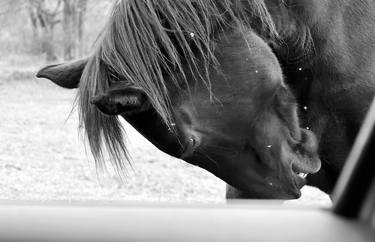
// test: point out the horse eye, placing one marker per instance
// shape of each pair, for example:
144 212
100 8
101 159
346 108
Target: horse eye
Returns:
192 142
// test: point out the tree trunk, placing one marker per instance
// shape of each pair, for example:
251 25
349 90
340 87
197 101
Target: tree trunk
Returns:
47 44
43 21
34 23
81 11
69 25
73 25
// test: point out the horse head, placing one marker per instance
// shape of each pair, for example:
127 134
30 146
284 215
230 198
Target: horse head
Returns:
234 117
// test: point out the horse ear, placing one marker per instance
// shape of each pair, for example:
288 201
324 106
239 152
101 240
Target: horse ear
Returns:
65 75
121 100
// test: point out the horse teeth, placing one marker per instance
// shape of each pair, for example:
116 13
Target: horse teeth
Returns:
302 175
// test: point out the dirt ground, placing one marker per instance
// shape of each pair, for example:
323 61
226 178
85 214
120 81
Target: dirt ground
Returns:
42 156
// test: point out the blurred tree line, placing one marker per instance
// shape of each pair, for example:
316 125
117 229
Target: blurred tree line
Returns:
54 29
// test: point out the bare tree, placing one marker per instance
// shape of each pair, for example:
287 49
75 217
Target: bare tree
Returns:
82 8
73 25
54 28
44 17
10 6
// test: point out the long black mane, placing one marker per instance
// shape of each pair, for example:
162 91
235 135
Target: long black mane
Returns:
146 40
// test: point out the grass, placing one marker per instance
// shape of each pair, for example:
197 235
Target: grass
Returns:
42 156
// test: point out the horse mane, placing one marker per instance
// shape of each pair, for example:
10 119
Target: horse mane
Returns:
294 32
146 40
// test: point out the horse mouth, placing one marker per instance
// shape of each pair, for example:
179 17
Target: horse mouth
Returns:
299 178
302 175
304 159
304 164
301 167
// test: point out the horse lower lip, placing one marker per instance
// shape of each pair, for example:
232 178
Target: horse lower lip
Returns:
305 164
300 182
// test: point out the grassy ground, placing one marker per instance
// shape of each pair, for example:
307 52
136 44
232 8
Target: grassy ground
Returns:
42 156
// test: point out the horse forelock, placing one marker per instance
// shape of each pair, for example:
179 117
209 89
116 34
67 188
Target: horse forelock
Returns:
142 42
292 25
99 128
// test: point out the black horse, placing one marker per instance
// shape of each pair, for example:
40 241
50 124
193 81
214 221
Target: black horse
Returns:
327 52
201 82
